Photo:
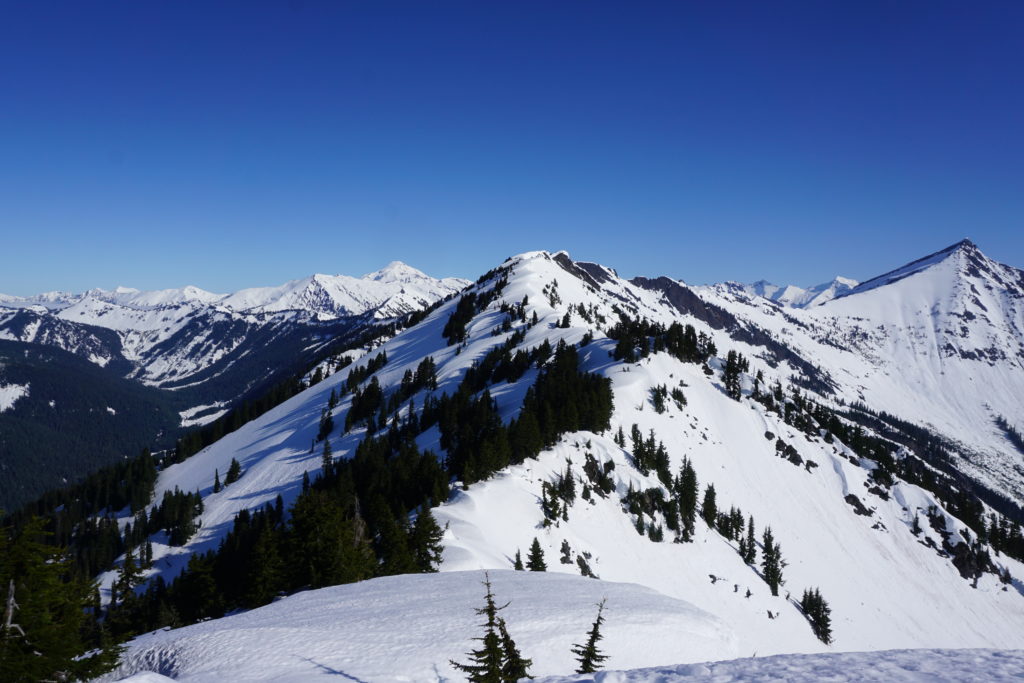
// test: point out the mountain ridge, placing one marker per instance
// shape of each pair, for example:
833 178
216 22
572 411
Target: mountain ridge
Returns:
847 429
830 500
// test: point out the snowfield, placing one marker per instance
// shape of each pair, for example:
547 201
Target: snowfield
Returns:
893 666
407 628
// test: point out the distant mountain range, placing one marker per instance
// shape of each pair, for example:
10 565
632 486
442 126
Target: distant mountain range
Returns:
205 351
797 297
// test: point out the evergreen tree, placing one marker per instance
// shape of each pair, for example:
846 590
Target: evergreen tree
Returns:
535 560
734 364
709 509
46 606
234 473
515 667
216 481
748 547
818 613
688 492
327 460
485 663
588 655
325 550
393 545
518 564
128 577
265 575
771 562
425 541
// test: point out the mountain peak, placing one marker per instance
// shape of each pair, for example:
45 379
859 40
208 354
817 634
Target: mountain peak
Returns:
969 258
394 272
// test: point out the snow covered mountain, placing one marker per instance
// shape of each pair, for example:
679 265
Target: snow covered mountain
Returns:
864 431
797 297
167 337
391 291
938 342
207 352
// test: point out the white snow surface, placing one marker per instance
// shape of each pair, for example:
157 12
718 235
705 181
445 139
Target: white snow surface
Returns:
892 666
10 393
407 628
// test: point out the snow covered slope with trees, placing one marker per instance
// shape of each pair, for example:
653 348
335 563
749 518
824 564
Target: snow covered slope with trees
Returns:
408 628
938 343
707 448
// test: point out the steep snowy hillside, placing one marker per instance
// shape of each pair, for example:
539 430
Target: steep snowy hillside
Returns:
884 534
938 343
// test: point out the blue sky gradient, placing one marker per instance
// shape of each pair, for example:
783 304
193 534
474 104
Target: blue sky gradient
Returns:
158 144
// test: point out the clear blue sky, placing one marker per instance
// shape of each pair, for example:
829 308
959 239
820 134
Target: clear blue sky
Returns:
162 143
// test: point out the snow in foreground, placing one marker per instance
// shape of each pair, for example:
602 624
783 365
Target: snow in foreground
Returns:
407 628
896 666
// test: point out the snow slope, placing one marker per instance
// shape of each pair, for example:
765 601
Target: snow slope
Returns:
407 628
893 666
887 587
939 342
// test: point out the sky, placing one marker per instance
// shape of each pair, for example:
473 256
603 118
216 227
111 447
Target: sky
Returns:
157 144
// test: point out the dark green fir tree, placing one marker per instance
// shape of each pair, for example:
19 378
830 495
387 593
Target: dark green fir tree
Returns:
485 662
234 473
771 561
588 654
535 560
515 666
817 611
